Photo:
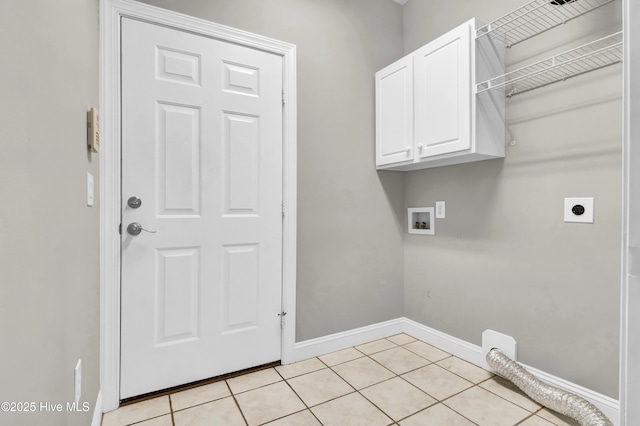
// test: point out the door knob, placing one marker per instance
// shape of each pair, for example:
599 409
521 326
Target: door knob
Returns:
134 228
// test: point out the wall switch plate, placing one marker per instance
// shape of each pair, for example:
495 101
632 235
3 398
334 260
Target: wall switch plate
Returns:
440 210
89 189
579 210
77 375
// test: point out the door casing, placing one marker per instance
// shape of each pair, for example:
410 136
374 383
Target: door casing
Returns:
111 12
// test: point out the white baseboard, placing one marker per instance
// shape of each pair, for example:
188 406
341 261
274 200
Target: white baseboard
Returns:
346 339
460 348
97 411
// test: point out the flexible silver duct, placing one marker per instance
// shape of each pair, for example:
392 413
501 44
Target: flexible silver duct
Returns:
551 397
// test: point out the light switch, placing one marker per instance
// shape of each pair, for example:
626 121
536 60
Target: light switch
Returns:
89 189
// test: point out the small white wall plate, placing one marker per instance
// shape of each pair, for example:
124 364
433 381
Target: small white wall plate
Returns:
492 339
578 210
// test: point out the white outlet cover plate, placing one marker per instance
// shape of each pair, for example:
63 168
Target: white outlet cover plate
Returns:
440 210
89 189
586 217
77 375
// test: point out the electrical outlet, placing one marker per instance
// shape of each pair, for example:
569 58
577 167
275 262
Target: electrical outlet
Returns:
578 210
440 210
77 375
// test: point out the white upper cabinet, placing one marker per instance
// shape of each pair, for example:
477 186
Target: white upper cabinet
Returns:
427 112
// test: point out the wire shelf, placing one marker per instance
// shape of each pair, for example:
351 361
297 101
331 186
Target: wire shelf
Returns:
589 57
536 17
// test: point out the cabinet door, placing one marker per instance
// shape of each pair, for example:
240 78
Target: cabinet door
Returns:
394 112
443 94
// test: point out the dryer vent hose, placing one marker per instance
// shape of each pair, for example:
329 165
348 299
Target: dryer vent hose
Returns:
551 397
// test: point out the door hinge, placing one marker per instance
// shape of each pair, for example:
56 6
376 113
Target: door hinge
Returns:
283 208
283 96
282 315
120 229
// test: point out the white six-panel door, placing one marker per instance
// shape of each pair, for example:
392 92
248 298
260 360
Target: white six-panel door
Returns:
202 150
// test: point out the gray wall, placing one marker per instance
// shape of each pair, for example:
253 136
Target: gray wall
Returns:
49 241
350 271
503 258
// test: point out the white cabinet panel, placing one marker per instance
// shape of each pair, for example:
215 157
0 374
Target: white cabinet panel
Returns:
443 94
394 112
427 112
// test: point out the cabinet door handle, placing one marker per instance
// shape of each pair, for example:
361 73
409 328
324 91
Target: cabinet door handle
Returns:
407 149
420 147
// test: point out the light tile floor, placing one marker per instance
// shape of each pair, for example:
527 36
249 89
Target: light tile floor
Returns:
395 381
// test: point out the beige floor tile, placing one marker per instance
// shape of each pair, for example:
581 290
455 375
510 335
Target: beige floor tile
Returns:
339 357
465 369
299 368
398 398
437 415
427 351
399 360
253 380
219 412
137 412
437 382
486 409
376 346
510 392
319 386
199 395
350 410
269 403
303 418
556 418
363 372
535 421
401 339
158 421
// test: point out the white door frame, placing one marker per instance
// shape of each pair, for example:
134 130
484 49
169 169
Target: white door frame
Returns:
111 12
630 294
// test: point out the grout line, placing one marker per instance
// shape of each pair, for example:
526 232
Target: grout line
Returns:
237 403
301 400
460 376
173 421
525 419
362 355
508 400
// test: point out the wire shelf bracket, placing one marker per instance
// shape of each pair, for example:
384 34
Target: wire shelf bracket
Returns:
536 17
588 57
